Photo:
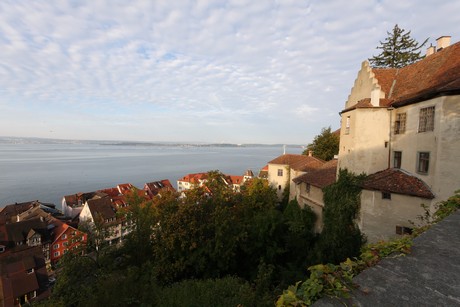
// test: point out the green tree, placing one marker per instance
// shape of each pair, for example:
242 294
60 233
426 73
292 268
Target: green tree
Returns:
325 145
398 50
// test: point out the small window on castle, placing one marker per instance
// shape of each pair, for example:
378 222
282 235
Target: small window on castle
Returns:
279 187
423 162
347 125
401 230
308 188
397 158
426 119
280 172
386 195
400 123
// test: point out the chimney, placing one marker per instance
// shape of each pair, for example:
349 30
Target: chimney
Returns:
430 50
443 42
310 153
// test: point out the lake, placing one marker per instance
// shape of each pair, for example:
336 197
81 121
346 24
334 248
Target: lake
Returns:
47 172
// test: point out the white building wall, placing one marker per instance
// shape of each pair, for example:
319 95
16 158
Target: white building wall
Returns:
278 182
364 145
379 217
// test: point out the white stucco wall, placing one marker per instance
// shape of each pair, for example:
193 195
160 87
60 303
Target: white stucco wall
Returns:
379 217
363 149
443 144
278 182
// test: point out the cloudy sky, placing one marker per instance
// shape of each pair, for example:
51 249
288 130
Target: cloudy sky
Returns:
196 71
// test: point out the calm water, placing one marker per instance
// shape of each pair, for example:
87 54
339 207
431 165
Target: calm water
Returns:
47 172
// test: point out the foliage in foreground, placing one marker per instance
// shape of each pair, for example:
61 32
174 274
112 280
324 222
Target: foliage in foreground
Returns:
336 281
212 243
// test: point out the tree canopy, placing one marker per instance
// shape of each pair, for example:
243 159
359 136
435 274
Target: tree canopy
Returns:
325 145
398 50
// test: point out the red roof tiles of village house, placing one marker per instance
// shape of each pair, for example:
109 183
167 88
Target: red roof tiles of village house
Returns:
298 162
156 186
125 188
236 179
194 178
101 207
397 181
16 281
111 192
322 177
12 210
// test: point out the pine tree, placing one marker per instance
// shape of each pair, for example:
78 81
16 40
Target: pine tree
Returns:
398 50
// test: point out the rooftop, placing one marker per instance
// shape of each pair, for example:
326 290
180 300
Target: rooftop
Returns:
397 181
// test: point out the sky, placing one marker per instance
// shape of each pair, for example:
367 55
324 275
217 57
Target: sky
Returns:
240 71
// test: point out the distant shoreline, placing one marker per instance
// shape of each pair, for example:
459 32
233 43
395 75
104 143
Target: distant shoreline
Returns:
33 140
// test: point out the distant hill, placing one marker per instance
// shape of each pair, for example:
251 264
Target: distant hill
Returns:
33 140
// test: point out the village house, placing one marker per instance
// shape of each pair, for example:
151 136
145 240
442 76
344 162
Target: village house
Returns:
35 227
309 189
199 179
23 276
286 167
402 125
156 187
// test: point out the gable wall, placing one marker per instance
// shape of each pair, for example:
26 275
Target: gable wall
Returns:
365 86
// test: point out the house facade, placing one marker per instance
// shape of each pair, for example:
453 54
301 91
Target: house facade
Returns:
286 167
309 189
66 238
406 119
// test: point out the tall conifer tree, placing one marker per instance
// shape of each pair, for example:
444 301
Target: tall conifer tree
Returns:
398 50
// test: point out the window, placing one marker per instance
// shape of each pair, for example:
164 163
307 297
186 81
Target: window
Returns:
65 243
423 162
65 251
400 123
56 246
426 119
279 187
386 195
347 125
401 230
64 236
397 156
56 254
308 188
280 172
30 271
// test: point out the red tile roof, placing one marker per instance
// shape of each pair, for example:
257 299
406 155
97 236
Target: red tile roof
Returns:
322 177
298 162
156 186
397 181
101 207
435 75
194 178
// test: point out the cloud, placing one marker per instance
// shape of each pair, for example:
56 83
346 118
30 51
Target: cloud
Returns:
195 69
